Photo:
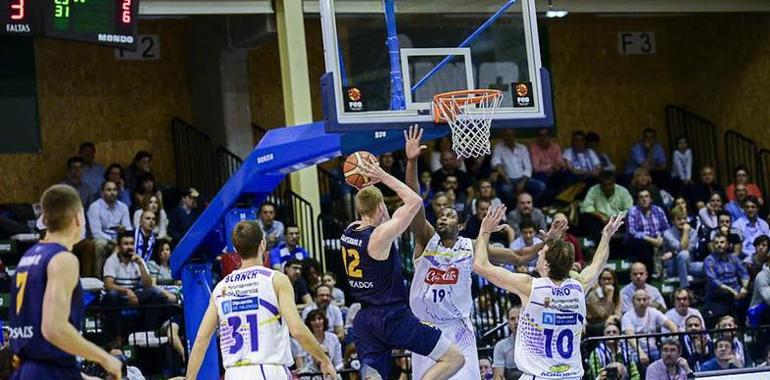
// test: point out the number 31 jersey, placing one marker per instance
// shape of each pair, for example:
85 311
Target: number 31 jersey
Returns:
251 330
548 335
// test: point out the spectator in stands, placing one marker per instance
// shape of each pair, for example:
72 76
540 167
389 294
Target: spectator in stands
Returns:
646 223
114 173
514 169
323 302
742 177
288 249
144 236
153 204
765 363
527 238
93 173
293 270
602 201
728 323
682 310
487 307
602 302
642 319
127 281
700 192
672 366
457 197
582 163
681 164
759 309
440 201
735 206
319 325
526 210
639 281
759 258
312 366
485 192
485 369
160 265
696 346
145 187
338 296
728 281
547 160
708 215
592 141
725 358
504 237
643 181
680 242
443 144
74 178
725 228
503 362
141 164
183 217
612 359
311 273
272 229
426 190
648 154
389 165
750 226
107 216
450 165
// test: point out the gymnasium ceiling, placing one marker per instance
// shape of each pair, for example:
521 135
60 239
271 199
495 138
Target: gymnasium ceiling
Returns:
193 7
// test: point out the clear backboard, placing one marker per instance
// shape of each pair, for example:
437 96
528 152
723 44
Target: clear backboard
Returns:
386 59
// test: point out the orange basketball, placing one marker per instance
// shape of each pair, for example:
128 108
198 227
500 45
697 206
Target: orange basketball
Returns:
354 175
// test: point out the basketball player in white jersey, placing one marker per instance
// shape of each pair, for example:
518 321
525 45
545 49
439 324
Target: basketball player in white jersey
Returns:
553 307
443 263
254 309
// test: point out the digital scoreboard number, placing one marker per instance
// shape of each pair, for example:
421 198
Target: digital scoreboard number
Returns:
105 22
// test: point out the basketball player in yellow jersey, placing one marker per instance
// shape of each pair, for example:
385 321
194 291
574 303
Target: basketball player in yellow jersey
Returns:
553 307
255 311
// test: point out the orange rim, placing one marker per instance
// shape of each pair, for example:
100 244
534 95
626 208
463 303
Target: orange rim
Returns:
453 100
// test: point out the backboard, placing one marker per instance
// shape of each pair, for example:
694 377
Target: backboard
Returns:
386 59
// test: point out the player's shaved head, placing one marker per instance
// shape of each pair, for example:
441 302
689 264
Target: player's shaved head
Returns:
368 200
560 256
248 239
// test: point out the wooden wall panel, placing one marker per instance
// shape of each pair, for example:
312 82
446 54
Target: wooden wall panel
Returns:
122 106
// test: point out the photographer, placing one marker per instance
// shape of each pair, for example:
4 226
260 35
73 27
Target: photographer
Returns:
612 360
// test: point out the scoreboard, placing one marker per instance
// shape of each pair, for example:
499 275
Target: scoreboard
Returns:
105 22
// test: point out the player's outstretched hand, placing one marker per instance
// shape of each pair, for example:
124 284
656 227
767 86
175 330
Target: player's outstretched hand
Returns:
372 170
113 366
327 368
491 222
613 225
412 146
557 230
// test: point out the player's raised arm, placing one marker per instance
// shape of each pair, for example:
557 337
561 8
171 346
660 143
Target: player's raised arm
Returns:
525 254
384 235
590 274
422 230
205 331
63 276
514 282
297 328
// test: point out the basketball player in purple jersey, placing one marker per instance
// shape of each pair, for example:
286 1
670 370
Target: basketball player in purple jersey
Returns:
373 268
47 299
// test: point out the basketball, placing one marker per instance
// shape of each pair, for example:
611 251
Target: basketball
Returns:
354 174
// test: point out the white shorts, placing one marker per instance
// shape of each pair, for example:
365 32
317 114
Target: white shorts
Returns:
258 372
461 334
527 376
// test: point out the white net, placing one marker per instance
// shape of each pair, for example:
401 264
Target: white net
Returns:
469 115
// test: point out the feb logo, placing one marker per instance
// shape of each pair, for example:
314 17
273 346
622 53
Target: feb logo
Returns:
522 94
355 100
440 277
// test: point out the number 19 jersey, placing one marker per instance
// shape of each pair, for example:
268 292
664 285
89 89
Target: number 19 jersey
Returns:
548 335
251 330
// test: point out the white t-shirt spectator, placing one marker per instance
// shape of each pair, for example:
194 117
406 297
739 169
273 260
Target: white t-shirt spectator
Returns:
674 316
126 275
627 296
516 162
650 323
333 314
681 165
332 344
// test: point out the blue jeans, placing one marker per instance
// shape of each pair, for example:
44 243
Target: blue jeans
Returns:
682 266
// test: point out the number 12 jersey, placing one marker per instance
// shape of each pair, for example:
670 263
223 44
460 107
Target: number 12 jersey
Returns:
251 330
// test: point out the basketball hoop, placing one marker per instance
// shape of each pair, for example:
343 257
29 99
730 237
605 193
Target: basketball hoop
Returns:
469 115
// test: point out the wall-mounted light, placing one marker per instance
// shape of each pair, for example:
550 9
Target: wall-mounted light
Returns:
554 12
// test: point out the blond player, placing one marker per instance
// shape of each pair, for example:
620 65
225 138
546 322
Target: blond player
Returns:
255 311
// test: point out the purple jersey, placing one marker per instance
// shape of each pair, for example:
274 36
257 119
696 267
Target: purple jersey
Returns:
372 282
27 291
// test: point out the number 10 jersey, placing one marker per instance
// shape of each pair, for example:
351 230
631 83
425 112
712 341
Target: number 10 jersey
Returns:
251 330
548 334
